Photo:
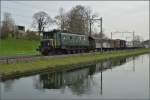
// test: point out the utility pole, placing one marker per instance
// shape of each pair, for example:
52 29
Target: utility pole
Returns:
133 64
101 28
111 35
101 31
101 82
126 38
101 23
0 88
90 27
101 86
149 41
133 38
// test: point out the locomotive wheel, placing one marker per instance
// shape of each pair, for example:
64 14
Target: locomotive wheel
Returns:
68 52
74 51
82 51
45 53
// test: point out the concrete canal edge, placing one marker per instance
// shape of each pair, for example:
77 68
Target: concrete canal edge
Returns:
9 73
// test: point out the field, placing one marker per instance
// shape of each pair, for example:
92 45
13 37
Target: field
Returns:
14 47
23 68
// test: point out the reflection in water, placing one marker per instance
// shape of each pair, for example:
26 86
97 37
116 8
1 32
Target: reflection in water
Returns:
79 80
117 79
0 88
8 85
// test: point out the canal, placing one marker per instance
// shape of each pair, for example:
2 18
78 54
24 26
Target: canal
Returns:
126 78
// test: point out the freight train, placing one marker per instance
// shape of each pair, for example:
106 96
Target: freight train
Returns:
57 42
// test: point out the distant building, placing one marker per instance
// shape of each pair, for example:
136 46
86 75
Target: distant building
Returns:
146 43
20 30
129 43
134 44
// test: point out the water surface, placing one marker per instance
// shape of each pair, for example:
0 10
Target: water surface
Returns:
126 78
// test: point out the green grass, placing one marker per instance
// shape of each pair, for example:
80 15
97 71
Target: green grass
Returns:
63 63
14 47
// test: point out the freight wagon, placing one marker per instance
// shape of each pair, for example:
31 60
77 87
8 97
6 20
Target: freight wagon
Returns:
109 44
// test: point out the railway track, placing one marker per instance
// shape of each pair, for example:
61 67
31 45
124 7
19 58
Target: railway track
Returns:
15 59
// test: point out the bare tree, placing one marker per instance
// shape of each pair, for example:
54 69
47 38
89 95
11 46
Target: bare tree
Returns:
78 19
41 20
8 26
90 16
61 19
101 36
137 40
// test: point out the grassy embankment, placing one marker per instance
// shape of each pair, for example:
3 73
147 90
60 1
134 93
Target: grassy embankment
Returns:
14 47
53 64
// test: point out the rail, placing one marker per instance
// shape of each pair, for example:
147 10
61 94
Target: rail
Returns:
15 59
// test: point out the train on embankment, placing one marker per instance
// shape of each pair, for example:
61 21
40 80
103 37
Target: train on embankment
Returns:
57 42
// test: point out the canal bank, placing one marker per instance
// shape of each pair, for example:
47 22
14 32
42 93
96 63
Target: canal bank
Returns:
56 64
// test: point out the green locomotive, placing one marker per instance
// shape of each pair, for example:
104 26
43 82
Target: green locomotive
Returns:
60 42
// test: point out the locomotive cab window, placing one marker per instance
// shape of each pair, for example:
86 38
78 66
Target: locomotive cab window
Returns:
48 35
47 43
70 37
64 37
84 38
80 38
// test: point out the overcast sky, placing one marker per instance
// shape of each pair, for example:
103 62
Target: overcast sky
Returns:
117 15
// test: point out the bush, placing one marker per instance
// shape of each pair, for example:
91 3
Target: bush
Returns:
32 36
3 36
